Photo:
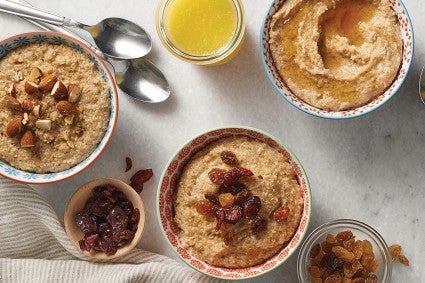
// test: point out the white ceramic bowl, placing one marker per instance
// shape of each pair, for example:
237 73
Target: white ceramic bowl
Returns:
18 40
167 185
406 30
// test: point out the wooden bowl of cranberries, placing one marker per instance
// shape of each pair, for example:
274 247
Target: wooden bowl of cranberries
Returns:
105 218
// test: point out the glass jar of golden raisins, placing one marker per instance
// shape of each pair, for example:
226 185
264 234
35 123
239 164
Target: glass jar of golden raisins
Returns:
344 250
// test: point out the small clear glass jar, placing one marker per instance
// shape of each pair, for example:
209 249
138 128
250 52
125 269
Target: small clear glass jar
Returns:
361 231
221 56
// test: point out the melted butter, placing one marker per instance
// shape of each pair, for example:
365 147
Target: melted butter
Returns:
341 20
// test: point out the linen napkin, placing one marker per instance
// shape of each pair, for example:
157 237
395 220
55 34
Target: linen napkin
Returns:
35 248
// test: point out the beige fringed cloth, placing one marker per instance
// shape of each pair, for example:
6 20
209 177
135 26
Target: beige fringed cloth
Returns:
35 248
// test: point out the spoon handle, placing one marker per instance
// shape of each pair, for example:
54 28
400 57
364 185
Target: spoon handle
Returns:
50 27
36 14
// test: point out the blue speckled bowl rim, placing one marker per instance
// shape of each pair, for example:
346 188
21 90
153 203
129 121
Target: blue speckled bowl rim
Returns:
18 40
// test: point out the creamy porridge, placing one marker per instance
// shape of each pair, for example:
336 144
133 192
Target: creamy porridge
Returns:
55 107
238 220
336 55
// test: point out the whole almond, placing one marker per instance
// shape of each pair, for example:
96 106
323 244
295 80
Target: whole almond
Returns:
65 107
31 87
28 139
27 105
12 103
47 82
59 91
14 127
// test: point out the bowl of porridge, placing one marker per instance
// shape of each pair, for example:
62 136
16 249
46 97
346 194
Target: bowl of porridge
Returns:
58 104
337 59
234 203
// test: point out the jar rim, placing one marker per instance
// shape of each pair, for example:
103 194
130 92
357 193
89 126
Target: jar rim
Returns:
222 53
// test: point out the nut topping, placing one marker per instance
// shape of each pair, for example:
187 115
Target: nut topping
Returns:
12 103
11 90
44 124
36 110
35 75
59 91
74 93
27 105
47 82
28 139
31 88
14 127
65 107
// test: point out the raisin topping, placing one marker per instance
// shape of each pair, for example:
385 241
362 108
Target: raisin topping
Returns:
229 158
244 171
234 189
252 206
205 207
258 224
213 199
281 214
233 214
219 215
216 175
232 176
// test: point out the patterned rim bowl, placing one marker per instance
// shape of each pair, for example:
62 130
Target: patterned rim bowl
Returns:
18 40
406 30
170 178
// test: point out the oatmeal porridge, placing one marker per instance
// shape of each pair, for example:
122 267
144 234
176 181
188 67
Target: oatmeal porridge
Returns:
237 202
55 107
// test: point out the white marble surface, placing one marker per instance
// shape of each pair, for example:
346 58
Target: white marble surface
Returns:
370 168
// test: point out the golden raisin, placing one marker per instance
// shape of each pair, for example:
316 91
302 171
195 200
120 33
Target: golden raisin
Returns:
358 249
403 260
343 254
334 278
315 271
395 251
226 200
344 236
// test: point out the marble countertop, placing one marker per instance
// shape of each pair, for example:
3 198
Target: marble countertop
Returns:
369 168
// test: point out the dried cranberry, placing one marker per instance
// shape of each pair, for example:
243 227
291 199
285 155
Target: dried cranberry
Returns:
137 187
251 206
233 214
229 158
99 206
86 222
234 189
128 164
134 216
127 206
139 178
107 247
118 219
92 241
219 215
244 171
204 207
216 175
258 224
281 214
232 176
212 198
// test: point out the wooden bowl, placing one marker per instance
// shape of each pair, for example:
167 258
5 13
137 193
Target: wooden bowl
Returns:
77 202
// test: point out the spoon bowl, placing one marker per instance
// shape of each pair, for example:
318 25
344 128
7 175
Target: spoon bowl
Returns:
117 38
138 78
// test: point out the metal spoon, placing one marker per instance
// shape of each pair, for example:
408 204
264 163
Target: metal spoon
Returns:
139 78
117 38
422 85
